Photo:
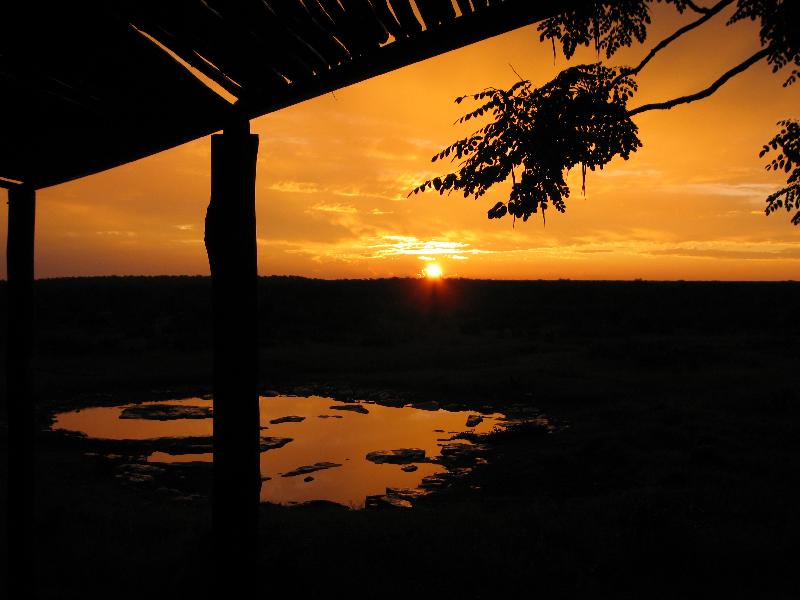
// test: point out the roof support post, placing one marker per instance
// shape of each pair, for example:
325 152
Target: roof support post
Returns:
19 390
230 237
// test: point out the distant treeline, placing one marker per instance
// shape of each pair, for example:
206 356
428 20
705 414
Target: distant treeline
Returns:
107 314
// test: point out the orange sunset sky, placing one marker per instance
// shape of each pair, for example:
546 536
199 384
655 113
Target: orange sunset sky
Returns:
333 174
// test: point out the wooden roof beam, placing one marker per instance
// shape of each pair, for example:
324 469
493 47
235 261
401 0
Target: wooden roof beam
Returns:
462 31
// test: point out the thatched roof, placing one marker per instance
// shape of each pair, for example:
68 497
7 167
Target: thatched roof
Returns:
92 84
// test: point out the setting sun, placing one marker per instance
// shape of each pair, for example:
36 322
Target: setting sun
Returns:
433 271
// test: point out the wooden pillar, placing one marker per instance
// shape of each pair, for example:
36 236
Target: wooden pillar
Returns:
19 392
230 238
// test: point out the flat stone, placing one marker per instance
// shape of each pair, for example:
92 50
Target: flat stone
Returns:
307 479
474 420
459 452
357 408
409 468
400 456
455 448
436 481
405 493
287 419
271 443
306 469
166 412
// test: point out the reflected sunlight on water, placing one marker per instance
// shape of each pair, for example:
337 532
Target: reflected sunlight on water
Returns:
324 435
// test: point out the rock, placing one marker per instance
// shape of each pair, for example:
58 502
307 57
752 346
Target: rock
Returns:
137 473
387 399
270 393
142 468
409 468
401 456
266 478
459 452
474 420
535 425
438 431
409 494
436 481
166 412
390 502
358 408
307 479
271 443
455 448
288 419
304 470
429 405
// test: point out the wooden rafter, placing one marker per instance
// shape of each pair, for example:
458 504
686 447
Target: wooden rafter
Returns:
82 90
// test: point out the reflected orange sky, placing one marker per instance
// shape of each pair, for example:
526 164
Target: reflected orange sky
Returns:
333 174
342 437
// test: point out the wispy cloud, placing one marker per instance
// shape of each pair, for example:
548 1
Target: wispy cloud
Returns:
343 209
295 187
623 172
398 245
717 188
116 233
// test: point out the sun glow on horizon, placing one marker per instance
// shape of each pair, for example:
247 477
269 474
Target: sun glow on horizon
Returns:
433 271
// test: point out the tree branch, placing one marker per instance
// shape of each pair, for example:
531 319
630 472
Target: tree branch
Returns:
697 9
707 14
763 53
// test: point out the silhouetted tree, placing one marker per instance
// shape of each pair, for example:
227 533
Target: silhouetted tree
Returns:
582 117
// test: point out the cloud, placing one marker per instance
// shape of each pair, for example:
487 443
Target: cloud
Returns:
398 245
116 233
623 172
295 187
735 190
721 251
344 209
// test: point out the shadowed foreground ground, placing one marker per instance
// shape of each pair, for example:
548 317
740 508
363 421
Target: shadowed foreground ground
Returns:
673 474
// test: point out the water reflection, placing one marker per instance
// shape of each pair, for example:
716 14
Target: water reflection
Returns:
326 434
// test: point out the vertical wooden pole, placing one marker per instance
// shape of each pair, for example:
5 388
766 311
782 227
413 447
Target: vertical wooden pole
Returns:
19 392
230 238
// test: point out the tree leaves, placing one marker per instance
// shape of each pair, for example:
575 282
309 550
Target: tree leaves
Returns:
787 143
608 25
538 134
780 31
